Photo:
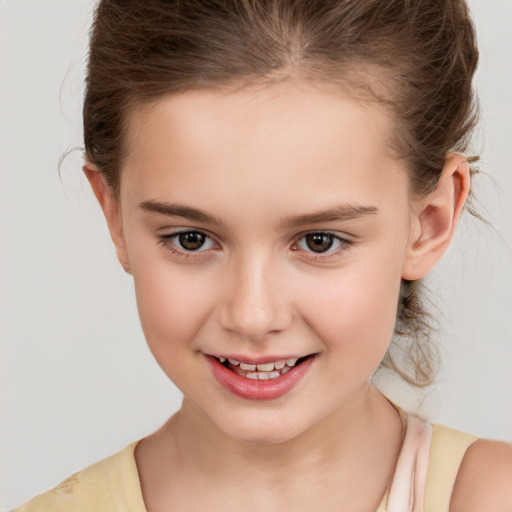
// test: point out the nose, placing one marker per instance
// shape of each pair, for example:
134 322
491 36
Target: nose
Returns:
254 303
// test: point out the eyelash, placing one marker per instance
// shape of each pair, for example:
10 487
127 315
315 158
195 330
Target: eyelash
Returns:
345 245
166 241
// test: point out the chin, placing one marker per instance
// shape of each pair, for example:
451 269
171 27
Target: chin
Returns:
260 430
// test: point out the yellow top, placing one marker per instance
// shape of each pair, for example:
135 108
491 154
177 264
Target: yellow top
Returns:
112 484
446 454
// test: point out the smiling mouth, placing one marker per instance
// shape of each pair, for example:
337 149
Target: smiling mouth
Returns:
264 371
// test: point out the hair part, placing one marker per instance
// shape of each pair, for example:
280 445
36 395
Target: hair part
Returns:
415 57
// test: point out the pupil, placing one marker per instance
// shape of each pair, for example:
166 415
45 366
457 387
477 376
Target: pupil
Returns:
192 240
319 242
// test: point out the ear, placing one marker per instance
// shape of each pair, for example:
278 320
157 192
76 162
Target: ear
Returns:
435 218
111 210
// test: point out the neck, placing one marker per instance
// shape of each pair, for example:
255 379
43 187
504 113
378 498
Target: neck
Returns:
345 440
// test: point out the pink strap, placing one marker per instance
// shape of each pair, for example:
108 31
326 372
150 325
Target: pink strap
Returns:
407 491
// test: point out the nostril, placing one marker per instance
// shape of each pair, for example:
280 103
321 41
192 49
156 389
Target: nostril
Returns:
254 323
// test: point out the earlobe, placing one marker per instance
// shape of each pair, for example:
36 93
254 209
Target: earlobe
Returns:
111 210
436 217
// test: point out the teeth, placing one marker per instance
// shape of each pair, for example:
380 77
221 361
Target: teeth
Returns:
262 371
266 375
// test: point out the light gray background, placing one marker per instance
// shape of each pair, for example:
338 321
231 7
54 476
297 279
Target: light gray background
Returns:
77 381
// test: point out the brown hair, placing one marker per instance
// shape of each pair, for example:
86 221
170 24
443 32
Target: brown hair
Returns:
420 54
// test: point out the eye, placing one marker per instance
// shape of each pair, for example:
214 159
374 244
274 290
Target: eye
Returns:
187 241
322 243
319 242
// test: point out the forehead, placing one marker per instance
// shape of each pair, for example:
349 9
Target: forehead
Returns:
294 135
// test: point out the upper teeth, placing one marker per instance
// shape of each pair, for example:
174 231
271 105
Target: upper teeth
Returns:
263 367
267 367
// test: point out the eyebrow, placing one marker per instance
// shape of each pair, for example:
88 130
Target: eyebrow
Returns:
179 210
339 213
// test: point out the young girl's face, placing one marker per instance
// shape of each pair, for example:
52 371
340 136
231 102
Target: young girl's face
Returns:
262 225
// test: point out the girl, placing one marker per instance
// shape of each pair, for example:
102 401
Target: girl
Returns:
278 177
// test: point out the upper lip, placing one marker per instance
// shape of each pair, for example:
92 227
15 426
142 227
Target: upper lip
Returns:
259 359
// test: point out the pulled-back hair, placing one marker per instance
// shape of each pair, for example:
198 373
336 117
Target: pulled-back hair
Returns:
415 57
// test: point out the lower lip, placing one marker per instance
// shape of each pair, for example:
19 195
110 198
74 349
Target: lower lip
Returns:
258 389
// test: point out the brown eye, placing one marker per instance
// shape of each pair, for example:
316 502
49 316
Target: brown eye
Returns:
188 243
319 242
191 240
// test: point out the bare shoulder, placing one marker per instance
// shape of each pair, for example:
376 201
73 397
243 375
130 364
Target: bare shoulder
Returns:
484 481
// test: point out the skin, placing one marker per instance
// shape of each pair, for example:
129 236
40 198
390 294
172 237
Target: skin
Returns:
251 159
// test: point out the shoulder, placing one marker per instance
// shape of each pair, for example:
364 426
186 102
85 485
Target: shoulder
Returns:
103 486
484 480
65 496
83 491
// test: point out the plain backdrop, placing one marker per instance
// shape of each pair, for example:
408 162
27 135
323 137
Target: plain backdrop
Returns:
77 380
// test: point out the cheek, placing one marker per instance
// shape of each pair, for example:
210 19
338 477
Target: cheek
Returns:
356 316
173 304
